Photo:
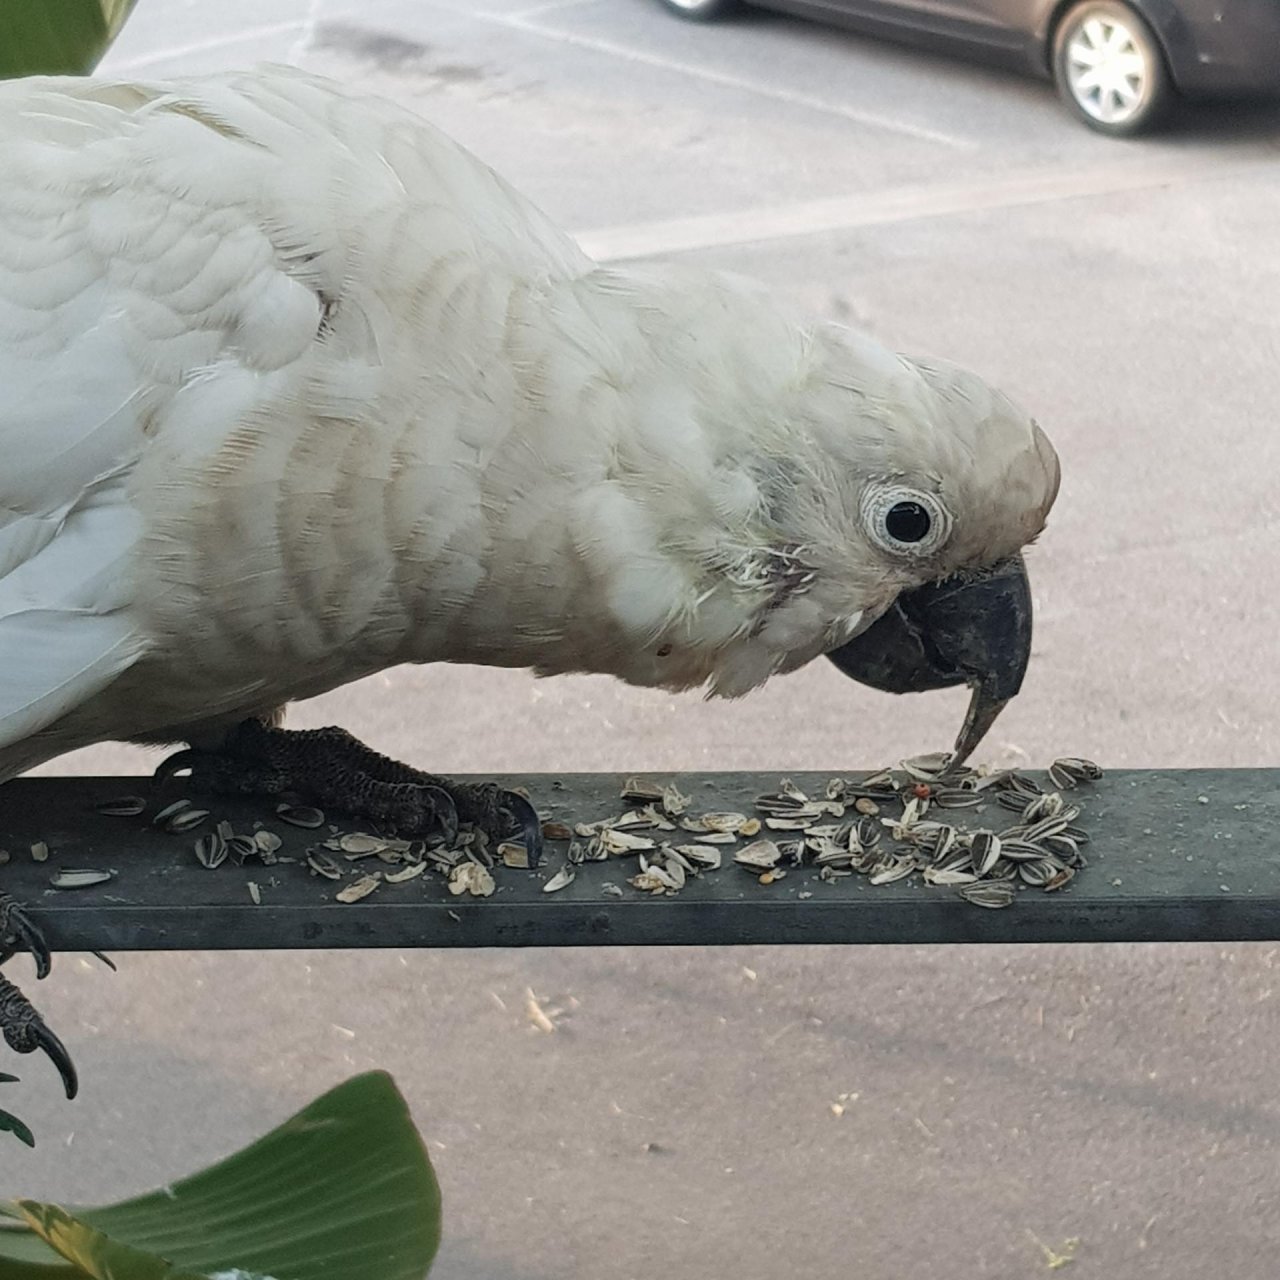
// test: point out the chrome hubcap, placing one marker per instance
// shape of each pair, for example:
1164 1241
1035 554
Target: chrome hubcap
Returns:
1106 70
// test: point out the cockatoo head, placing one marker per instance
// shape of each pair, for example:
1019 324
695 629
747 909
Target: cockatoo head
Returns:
953 481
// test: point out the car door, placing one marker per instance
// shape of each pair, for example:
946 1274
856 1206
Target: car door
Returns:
1002 24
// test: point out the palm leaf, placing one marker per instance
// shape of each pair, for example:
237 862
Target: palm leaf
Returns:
57 37
343 1191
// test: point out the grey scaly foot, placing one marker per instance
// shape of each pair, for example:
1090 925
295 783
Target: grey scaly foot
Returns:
23 1028
337 770
17 933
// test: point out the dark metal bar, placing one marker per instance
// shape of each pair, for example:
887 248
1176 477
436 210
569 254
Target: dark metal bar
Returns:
1188 855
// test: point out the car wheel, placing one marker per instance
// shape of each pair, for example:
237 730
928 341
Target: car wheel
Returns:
700 10
1109 68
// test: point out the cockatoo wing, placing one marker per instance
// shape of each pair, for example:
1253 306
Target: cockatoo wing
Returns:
69 433
170 258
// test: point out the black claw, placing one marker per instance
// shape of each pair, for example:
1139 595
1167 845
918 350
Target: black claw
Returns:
17 933
58 1055
24 1031
446 813
188 758
530 824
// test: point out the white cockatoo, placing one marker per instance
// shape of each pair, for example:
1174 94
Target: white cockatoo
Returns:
295 389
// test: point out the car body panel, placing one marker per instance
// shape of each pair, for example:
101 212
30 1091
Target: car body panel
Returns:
1210 46
1232 44
932 23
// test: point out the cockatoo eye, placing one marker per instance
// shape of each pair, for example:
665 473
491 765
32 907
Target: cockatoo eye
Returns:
905 521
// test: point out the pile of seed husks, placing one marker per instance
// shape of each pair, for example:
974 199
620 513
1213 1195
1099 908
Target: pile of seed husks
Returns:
885 826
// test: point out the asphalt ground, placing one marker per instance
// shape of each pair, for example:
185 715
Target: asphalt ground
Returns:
990 1104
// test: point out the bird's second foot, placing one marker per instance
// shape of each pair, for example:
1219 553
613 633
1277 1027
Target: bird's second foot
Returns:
337 770
18 933
23 1029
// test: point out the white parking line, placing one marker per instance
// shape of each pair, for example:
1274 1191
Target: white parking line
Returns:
597 44
552 6
307 33
842 213
115 67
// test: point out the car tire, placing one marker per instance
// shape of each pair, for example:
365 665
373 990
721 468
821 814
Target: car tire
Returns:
700 10
1109 68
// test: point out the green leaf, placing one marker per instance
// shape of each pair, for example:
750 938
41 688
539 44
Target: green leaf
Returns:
343 1191
24 1256
97 1256
57 37
9 1123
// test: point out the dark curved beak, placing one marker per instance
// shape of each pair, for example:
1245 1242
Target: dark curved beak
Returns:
973 629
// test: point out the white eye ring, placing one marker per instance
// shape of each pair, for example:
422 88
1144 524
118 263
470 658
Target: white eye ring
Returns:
905 521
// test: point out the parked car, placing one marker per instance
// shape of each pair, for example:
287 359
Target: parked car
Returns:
1117 63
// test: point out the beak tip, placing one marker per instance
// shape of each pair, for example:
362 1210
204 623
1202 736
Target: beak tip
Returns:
982 713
